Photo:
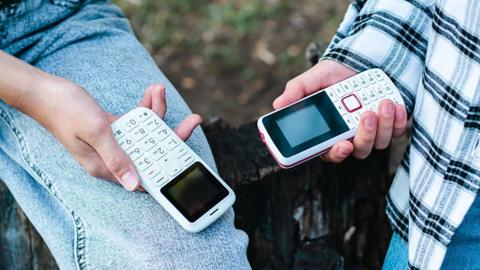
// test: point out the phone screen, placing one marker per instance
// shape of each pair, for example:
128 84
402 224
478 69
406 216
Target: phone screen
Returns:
313 125
195 191
305 124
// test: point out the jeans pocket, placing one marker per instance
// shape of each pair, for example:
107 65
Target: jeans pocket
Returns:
67 3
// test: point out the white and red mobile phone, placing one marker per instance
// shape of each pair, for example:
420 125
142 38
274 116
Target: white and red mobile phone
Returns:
312 125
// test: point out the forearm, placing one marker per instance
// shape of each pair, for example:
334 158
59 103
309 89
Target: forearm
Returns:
29 89
18 80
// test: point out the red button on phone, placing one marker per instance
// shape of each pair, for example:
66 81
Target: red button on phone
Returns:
351 103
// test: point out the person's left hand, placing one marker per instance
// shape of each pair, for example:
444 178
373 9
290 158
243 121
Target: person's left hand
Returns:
154 99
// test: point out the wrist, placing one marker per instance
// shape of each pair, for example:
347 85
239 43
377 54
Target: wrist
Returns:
39 98
27 93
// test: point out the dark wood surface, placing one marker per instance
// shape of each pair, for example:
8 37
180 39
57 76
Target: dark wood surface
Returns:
315 216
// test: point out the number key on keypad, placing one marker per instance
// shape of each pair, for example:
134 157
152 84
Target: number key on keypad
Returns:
148 143
380 91
363 81
388 88
143 163
338 91
340 107
135 153
153 124
372 95
376 73
370 78
126 143
364 97
139 133
159 152
130 124
355 84
172 143
346 88
163 133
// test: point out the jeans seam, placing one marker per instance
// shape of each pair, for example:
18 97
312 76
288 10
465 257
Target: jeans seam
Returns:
80 232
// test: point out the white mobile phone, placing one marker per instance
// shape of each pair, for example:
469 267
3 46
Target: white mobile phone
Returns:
177 178
312 125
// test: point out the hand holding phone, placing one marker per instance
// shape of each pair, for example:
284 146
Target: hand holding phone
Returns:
176 177
381 127
314 124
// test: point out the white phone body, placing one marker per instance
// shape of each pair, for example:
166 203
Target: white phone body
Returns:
312 125
172 173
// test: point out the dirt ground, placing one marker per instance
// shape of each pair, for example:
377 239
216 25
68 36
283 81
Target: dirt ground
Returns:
232 58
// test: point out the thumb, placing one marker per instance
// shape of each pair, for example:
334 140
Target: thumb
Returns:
320 76
117 161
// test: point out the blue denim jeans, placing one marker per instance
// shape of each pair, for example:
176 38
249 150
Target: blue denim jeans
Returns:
397 254
86 222
463 252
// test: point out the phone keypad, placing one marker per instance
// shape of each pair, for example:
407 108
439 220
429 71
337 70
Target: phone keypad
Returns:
158 154
129 125
153 124
360 93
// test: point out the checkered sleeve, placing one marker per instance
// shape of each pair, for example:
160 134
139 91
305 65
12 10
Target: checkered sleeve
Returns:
389 34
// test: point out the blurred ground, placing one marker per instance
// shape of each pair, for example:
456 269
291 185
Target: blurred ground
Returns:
232 58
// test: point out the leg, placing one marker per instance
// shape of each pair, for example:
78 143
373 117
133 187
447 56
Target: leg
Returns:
87 222
464 249
397 254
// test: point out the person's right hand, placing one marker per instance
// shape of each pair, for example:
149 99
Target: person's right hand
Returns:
375 129
81 125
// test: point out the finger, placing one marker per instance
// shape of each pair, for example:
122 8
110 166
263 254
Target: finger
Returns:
116 161
147 98
365 137
159 104
339 152
386 116
186 127
294 90
400 124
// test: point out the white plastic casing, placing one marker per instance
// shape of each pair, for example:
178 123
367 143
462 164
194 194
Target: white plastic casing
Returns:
370 87
153 189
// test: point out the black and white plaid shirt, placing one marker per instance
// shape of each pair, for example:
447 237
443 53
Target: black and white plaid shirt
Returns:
431 50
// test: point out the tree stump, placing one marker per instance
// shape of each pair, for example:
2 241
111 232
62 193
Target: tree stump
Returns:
315 216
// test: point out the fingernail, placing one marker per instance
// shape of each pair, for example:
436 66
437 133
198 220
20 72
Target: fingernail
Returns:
400 115
387 109
129 180
163 94
370 122
343 151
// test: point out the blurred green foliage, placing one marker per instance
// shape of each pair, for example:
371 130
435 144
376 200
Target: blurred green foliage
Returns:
214 27
238 53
